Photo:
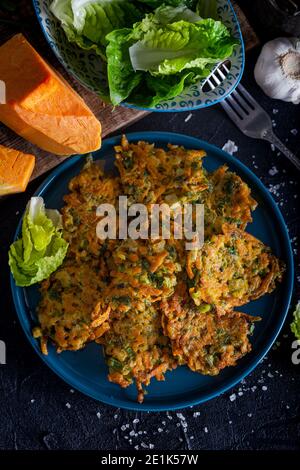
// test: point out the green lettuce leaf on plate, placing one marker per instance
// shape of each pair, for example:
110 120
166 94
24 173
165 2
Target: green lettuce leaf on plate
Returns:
295 326
162 45
122 78
87 22
41 250
174 3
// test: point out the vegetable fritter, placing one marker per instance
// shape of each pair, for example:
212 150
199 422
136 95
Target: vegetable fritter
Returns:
233 268
144 268
70 312
88 190
151 175
135 347
202 339
228 200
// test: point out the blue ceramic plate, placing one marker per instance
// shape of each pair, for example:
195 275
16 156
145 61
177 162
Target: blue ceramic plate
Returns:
89 68
86 369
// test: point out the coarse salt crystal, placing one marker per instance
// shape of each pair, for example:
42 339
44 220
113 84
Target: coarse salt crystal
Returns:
232 397
230 147
273 171
188 117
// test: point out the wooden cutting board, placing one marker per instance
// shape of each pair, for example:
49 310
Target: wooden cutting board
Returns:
111 119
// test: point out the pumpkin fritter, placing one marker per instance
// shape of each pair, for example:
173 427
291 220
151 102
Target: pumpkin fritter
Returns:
228 200
135 347
70 312
203 340
143 268
88 190
151 175
233 268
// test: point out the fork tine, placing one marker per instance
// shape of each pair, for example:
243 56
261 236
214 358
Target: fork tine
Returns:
216 79
231 113
237 107
247 95
240 99
221 74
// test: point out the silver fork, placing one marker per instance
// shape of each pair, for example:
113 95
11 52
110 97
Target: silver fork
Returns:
247 114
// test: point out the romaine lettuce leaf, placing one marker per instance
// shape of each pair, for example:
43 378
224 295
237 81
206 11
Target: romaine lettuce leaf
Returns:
155 89
62 10
122 78
174 3
41 250
87 22
295 326
162 45
170 48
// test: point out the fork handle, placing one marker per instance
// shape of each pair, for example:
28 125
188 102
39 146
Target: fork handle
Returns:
273 139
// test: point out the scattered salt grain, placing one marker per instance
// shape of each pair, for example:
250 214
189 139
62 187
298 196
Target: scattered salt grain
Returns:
275 111
205 429
160 430
264 388
273 171
196 414
136 421
151 446
294 131
249 415
188 117
98 414
230 147
68 405
32 400
232 397
71 390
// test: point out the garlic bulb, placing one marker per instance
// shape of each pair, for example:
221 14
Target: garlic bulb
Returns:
277 70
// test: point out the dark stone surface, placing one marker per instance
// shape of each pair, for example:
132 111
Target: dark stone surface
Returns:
262 413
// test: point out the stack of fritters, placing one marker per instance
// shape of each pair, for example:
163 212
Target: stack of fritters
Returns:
151 303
